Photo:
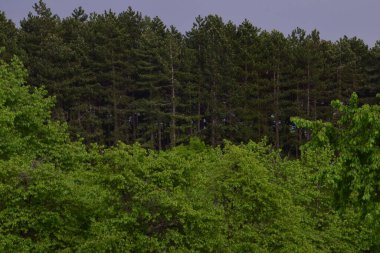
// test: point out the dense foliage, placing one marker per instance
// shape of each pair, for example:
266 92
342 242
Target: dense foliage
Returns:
85 184
62 196
127 77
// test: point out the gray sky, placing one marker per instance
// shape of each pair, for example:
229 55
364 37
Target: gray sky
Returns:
333 18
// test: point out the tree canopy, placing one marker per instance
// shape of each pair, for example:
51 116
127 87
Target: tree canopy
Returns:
122 135
59 195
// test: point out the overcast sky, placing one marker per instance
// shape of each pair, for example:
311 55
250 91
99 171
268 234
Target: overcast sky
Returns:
333 18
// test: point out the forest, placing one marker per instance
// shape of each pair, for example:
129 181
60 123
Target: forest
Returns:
119 134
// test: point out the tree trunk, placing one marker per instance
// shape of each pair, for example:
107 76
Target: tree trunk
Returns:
308 91
116 136
213 114
276 77
199 97
173 100
159 136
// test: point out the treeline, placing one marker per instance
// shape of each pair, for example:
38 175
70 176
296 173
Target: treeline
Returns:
129 77
57 195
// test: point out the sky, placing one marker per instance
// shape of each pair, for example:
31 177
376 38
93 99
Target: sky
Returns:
333 18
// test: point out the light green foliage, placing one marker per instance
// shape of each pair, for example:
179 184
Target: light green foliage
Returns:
353 173
45 208
233 199
161 202
59 196
260 213
25 125
47 199
354 139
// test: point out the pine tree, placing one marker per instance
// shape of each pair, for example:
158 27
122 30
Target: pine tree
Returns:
211 38
46 56
274 55
351 56
39 39
113 62
373 70
152 84
174 42
8 37
246 102
81 87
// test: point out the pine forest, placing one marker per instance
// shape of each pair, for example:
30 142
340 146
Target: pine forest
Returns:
120 134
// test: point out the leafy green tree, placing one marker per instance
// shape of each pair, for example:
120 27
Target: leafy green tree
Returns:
26 127
267 220
161 204
353 139
45 197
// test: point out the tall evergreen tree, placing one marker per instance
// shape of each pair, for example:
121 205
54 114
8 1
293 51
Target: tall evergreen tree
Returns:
46 56
351 55
152 83
112 60
212 39
247 100
8 37
81 88
373 70
174 42
274 57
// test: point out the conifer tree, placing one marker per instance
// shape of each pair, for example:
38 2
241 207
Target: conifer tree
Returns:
246 102
8 37
212 40
151 84
46 56
373 70
82 90
273 56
